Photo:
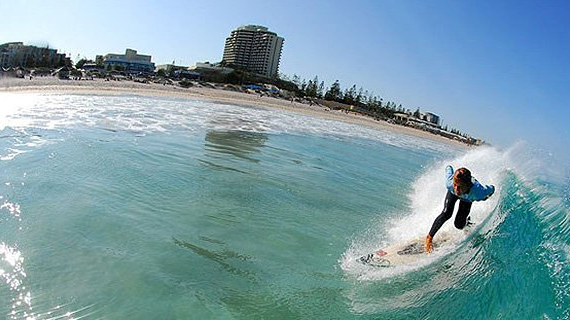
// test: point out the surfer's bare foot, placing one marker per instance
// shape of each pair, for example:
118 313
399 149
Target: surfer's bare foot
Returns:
428 246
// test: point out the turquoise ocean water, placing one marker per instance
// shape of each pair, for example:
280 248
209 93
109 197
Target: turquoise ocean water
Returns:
129 207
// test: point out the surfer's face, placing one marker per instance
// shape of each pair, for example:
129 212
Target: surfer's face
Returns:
460 189
457 190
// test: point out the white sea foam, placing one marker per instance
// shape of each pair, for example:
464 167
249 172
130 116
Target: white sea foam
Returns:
145 115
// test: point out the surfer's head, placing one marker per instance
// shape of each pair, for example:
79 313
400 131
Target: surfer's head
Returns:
462 181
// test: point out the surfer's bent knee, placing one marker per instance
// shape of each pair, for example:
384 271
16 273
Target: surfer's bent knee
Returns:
459 225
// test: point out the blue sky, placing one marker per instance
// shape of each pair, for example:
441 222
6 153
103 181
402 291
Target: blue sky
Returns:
498 70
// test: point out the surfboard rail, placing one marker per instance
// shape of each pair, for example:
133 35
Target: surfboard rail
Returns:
404 253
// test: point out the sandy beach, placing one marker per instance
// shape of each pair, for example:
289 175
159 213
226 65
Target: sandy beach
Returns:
100 86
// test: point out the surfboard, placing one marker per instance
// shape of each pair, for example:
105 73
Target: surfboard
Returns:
404 253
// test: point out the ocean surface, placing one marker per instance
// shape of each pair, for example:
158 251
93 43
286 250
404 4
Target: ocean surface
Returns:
130 207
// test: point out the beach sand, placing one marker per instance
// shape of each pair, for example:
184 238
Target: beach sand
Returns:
100 86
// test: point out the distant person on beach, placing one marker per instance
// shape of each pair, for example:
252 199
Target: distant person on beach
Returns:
463 187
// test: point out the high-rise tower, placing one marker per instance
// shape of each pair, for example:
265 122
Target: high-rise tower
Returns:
254 48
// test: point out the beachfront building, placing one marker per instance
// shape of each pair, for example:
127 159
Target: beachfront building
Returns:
209 71
131 62
254 48
171 69
16 54
401 117
425 119
179 72
93 68
206 67
431 117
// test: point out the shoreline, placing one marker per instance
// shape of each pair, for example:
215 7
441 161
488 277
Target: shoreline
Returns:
100 86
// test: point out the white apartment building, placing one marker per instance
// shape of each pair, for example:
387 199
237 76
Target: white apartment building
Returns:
254 48
131 61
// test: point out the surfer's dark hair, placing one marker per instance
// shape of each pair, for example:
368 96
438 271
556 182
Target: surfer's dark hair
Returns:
462 178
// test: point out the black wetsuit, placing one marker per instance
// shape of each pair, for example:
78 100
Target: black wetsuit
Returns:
449 205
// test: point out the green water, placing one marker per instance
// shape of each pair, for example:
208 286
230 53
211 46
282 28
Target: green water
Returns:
145 208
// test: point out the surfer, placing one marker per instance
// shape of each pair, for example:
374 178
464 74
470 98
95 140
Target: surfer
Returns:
463 187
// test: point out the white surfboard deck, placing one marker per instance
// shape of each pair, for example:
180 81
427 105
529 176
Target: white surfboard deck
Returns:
403 253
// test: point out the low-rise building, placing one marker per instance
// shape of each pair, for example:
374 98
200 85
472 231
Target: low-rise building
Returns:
179 72
401 117
16 54
131 62
431 117
208 72
93 67
170 68
205 67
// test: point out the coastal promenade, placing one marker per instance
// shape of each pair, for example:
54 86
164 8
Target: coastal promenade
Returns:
206 92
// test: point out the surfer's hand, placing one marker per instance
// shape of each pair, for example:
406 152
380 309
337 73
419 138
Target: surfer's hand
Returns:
428 246
492 187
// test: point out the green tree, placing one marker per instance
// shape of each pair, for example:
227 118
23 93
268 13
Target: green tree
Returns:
321 90
312 89
30 62
76 73
417 113
350 95
334 92
297 81
82 62
359 99
304 86
45 60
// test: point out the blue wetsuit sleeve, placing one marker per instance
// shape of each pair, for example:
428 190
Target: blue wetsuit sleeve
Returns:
449 178
449 172
489 190
480 192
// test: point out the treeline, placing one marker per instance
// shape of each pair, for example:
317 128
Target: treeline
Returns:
361 100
